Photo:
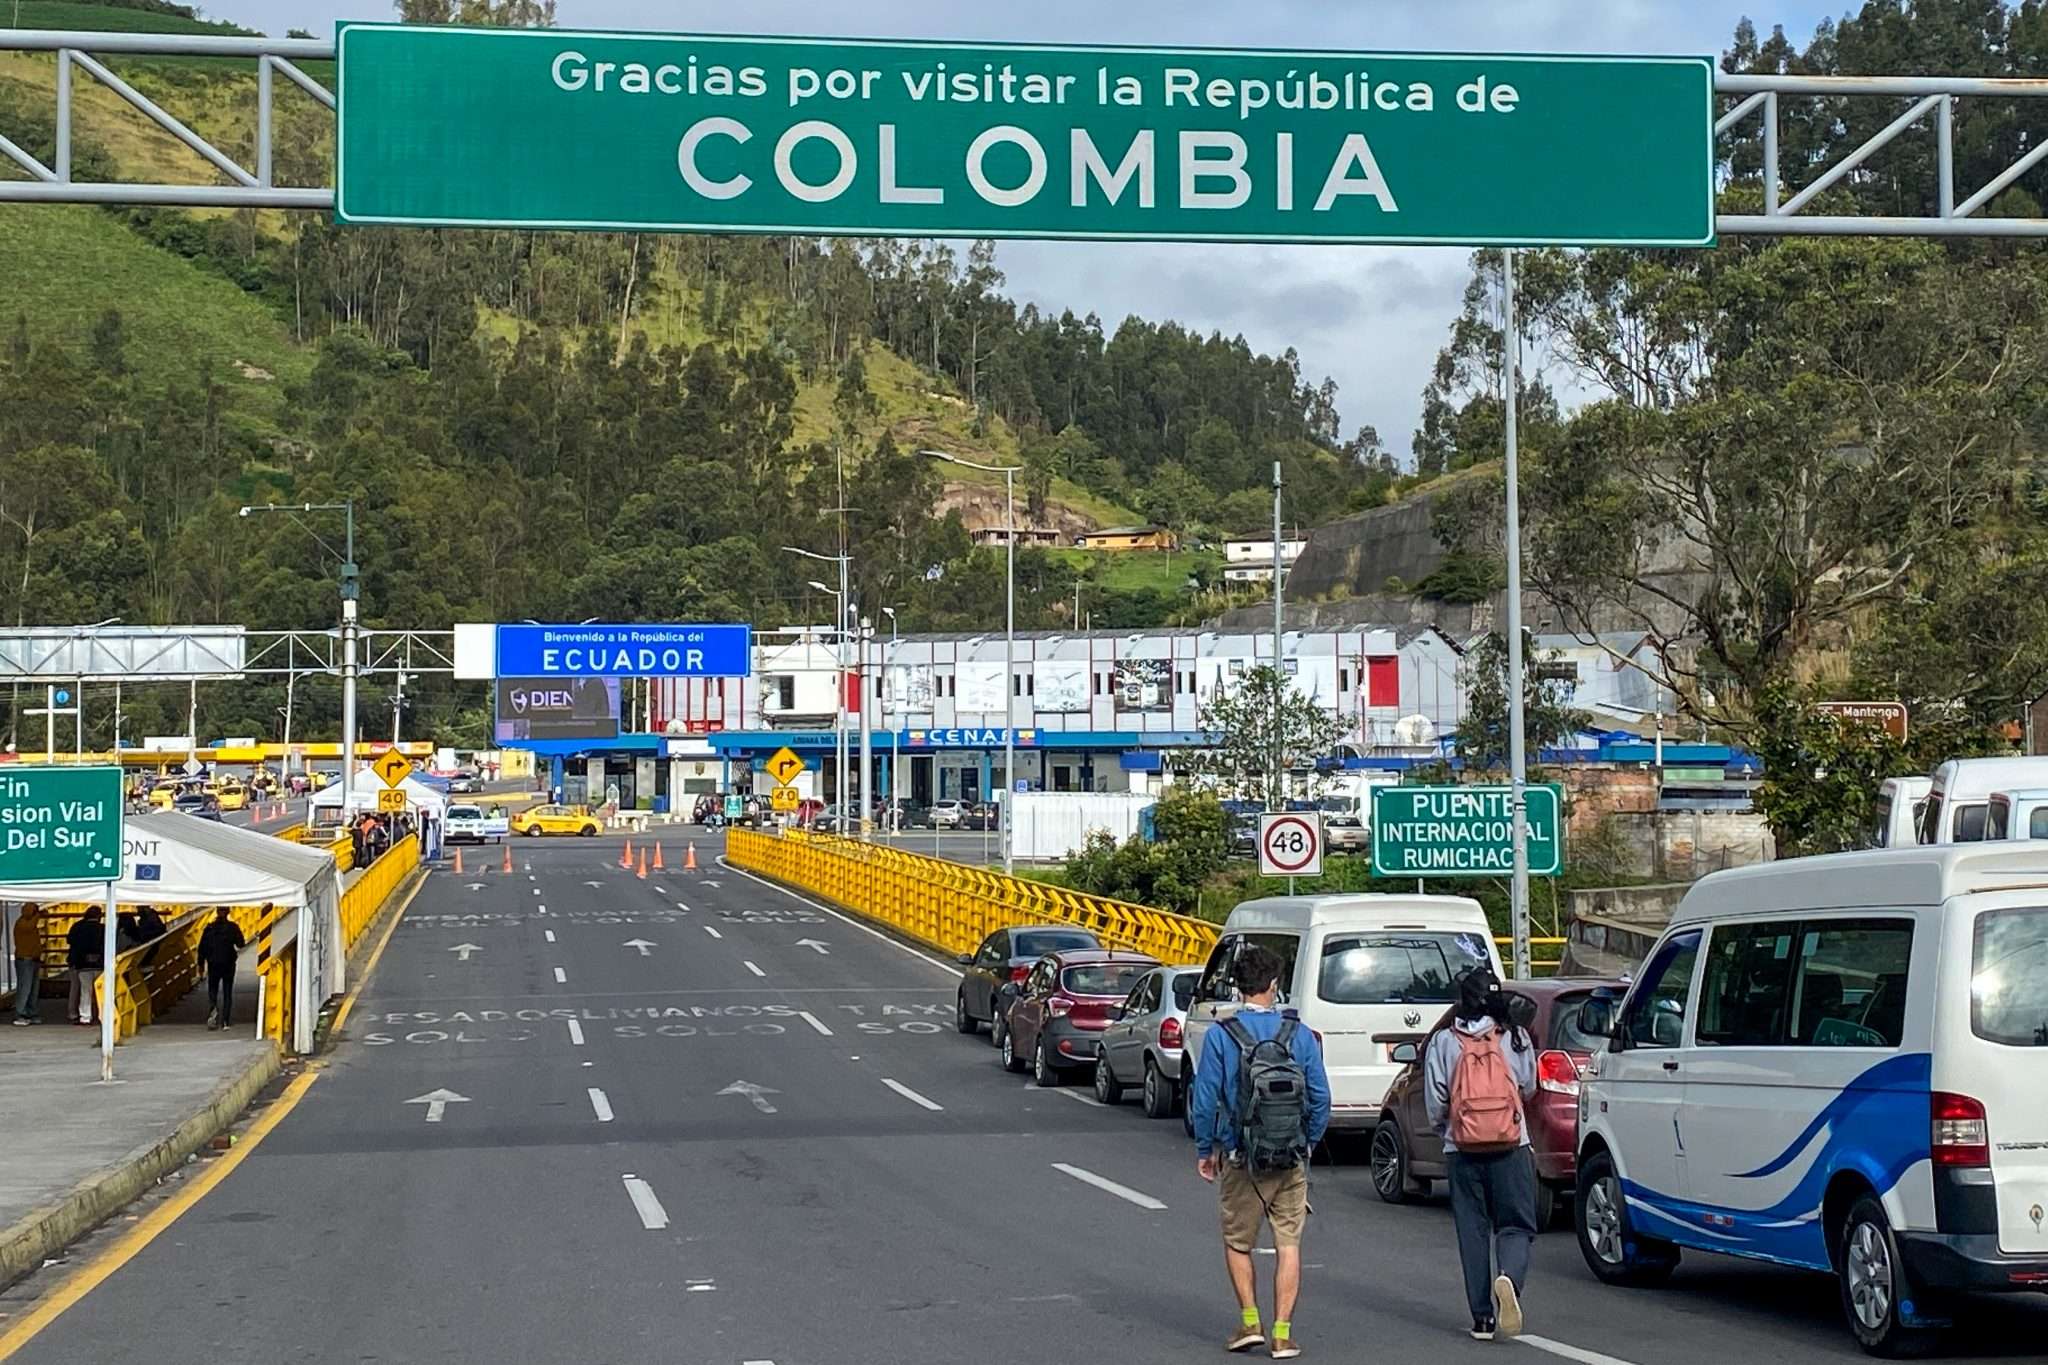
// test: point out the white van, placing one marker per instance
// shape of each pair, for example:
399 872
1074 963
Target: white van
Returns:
1358 968
1835 1063
2019 814
1899 803
1961 790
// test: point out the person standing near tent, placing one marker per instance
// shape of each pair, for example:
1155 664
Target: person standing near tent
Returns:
220 944
28 964
87 956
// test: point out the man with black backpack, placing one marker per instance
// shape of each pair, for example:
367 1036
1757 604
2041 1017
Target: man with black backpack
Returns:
1260 1104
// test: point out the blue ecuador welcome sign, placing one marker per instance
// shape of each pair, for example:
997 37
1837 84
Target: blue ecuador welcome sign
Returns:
624 651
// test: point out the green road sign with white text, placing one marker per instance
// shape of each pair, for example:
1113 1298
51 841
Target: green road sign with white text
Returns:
645 131
60 824
1461 832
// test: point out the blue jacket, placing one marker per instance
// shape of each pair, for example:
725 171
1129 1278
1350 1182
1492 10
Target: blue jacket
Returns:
1214 1102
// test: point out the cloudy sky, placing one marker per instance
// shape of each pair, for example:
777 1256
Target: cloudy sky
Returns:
1372 318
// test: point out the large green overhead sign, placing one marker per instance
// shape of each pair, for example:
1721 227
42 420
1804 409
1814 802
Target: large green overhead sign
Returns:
640 131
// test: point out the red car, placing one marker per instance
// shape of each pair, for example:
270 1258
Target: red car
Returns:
1067 1000
1406 1155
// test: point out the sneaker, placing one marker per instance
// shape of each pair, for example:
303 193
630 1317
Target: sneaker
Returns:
1507 1306
1246 1337
1286 1348
213 1018
23 1022
1482 1328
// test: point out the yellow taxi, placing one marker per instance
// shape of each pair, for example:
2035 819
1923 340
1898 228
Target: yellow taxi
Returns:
231 794
166 792
538 820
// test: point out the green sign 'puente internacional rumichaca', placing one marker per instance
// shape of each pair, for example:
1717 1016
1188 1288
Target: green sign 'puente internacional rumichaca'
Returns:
636 131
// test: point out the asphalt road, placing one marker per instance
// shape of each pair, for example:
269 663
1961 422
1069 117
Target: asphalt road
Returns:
700 1120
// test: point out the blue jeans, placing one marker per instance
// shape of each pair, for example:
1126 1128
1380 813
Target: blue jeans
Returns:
28 987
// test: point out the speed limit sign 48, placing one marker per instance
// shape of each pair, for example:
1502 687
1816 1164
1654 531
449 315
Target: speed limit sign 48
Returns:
1291 844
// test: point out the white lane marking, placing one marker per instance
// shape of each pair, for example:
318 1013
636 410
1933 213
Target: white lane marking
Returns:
653 1216
536 891
813 1021
600 1106
752 968
1125 1192
662 889
576 1034
713 932
550 933
919 954
542 908
682 907
1578 1353
907 1093
561 975
1079 1097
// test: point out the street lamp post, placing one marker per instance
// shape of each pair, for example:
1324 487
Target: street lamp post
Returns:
895 729
349 590
842 609
1009 473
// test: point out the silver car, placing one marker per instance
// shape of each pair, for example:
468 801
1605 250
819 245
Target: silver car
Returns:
1346 834
1141 1046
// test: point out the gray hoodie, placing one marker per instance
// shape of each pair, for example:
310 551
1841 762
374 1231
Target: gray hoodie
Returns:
1442 1059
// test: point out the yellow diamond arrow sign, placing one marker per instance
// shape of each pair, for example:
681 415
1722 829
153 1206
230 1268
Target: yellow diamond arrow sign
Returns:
393 766
785 766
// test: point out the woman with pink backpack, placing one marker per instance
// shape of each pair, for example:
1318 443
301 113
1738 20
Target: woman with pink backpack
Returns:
1476 1074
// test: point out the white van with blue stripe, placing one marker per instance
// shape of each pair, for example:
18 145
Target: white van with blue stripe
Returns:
1839 1063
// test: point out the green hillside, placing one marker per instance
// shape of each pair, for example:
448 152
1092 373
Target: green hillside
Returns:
72 14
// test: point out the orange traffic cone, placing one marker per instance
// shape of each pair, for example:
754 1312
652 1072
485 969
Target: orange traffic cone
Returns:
458 862
690 858
626 854
508 860
657 858
642 874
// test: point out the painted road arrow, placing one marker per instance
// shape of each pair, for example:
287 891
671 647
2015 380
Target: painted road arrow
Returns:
642 944
757 1093
437 1102
593 883
465 949
710 883
475 886
814 946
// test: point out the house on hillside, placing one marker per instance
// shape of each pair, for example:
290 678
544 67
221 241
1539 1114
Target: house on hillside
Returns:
1026 535
1128 538
1251 561
1615 672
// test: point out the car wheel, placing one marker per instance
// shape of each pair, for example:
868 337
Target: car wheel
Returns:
533 831
588 831
962 1020
1614 1253
1108 1089
1043 1073
1875 1292
1187 1104
1011 1061
996 1023
1546 1205
1159 1093
1390 1178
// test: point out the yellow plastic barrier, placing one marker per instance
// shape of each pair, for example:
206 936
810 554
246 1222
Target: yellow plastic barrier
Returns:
361 902
952 906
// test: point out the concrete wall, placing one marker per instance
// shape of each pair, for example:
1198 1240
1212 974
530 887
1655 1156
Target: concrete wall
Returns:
1643 903
1687 845
1358 554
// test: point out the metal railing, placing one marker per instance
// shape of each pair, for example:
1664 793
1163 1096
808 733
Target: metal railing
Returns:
230 184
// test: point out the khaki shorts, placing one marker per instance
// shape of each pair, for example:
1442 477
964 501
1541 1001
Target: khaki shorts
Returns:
1280 1199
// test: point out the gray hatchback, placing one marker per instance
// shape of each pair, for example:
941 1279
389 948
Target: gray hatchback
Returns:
1141 1046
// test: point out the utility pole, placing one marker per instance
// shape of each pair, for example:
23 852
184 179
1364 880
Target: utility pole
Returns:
398 708
1276 779
1518 762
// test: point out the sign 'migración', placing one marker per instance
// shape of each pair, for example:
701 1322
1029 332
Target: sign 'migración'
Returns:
645 131
625 651
1461 832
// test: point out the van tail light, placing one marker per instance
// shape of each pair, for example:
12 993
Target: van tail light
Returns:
1169 1032
1960 1135
1019 973
1557 1073
1059 1006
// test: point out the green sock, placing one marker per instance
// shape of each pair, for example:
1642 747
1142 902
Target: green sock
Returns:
1250 1316
1280 1327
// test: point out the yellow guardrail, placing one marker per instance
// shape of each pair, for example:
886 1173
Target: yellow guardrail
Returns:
953 906
361 902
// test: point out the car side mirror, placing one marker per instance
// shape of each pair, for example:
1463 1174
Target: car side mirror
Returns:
1404 1054
1597 1017
965 959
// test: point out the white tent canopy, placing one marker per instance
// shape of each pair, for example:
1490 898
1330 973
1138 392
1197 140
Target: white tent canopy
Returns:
362 796
174 859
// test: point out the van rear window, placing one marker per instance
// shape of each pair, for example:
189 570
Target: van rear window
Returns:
1403 968
2009 978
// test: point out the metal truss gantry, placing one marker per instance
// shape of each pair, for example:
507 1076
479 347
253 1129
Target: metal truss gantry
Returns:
1762 97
